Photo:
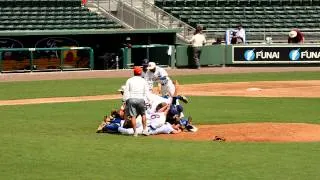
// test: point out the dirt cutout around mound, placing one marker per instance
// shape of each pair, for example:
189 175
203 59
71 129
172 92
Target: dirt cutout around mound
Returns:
252 132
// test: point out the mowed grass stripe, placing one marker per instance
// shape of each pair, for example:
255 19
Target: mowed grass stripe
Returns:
86 87
58 141
217 110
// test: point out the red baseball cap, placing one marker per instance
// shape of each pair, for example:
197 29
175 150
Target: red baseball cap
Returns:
137 70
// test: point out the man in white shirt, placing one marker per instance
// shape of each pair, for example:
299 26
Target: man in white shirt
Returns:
160 75
240 34
198 40
135 95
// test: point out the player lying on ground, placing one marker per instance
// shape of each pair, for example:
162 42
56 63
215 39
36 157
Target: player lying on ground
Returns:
156 123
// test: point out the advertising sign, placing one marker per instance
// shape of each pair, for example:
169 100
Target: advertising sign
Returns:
275 54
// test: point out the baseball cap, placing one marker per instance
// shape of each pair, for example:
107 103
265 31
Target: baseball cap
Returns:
151 65
145 62
121 89
184 122
137 71
293 34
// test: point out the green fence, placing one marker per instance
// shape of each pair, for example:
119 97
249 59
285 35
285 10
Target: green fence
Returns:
162 54
251 54
215 55
179 56
46 59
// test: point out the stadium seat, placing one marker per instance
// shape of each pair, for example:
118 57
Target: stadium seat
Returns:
202 3
49 14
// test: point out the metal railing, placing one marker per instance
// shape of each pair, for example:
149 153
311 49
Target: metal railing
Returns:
279 35
27 59
141 14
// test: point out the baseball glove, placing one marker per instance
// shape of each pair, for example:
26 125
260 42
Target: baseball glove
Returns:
219 139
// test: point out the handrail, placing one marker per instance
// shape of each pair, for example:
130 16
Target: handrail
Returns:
144 12
168 14
313 30
31 50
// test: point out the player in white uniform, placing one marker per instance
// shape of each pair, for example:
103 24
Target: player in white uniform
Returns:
166 128
154 100
154 121
147 75
160 75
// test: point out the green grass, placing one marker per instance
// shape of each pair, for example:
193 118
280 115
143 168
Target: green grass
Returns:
250 109
58 141
56 88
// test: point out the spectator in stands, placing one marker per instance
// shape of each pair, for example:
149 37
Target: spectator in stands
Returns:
84 2
217 42
295 36
198 40
238 35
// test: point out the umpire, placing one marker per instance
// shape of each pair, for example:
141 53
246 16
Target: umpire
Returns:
135 95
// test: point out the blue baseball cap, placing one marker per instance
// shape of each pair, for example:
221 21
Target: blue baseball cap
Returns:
145 62
184 122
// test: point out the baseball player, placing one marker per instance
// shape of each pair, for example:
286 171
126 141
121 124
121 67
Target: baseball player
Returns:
147 75
136 95
160 75
166 128
111 123
154 121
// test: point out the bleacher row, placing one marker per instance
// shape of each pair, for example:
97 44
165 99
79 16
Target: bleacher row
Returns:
252 14
50 15
44 3
205 3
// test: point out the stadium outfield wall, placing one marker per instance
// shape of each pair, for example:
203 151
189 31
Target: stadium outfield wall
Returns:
252 54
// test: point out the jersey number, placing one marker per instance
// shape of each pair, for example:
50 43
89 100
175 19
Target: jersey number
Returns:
155 116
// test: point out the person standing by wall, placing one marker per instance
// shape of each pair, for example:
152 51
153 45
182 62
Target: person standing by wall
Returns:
296 36
238 35
198 40
135 96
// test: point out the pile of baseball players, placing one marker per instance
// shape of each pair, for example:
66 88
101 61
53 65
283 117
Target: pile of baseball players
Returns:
144 112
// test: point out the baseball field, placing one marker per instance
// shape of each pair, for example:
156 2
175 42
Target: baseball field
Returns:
269 116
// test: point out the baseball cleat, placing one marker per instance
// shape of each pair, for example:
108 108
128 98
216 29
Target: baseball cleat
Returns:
145 133
99 130
184 99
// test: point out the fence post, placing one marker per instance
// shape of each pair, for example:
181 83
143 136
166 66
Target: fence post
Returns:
172 56
1 62
61 60
31 59
91 59
125 58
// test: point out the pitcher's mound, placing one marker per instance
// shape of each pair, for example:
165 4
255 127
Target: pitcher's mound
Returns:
253 132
